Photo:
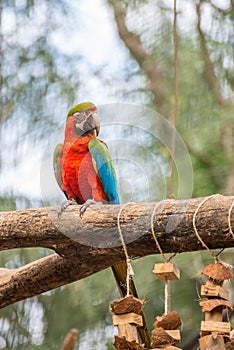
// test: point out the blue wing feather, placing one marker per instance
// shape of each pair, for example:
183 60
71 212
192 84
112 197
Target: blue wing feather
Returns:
105 169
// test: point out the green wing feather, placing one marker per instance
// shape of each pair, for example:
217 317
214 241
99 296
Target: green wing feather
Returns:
58 153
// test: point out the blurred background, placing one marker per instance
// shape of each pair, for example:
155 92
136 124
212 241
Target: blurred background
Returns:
54 54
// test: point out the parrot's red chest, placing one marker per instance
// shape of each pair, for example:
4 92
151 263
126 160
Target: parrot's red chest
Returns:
79 178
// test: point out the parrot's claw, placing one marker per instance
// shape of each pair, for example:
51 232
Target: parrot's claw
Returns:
65 205
86 205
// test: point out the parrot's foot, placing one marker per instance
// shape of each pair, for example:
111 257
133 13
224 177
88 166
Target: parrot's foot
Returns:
65 205
86 205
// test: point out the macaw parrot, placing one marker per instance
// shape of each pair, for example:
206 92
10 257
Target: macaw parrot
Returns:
83 166
85 172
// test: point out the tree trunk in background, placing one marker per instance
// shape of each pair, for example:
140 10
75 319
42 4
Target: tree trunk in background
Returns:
157 84
159 87
227 135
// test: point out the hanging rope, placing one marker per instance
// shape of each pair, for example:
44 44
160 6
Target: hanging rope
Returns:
176 98
229 220
195 228
175 114
167 289
154 235
130 271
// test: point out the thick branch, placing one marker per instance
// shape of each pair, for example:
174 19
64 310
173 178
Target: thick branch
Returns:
95 244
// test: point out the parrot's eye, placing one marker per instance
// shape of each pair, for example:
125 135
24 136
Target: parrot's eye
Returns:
80 117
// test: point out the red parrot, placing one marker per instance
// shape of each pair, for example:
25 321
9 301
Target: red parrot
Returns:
83 166
85 172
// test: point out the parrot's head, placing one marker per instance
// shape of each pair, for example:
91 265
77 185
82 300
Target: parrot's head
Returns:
85 119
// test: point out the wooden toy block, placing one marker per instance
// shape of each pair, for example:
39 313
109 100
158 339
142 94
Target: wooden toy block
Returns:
130 318
209 290
175 334
208 327
213 343
128 331
167 271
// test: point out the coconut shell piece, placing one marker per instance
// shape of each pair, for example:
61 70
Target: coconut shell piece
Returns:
229 345
122 344
126 305
130 318
211 304
230 342
160 337
169 321
217 272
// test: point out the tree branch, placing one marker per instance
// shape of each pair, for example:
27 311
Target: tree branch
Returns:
84 247
146 61
219 9
208 64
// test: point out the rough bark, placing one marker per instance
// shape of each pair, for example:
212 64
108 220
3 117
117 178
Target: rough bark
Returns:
95 244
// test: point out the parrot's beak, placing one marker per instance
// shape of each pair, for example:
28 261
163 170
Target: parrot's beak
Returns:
96 123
